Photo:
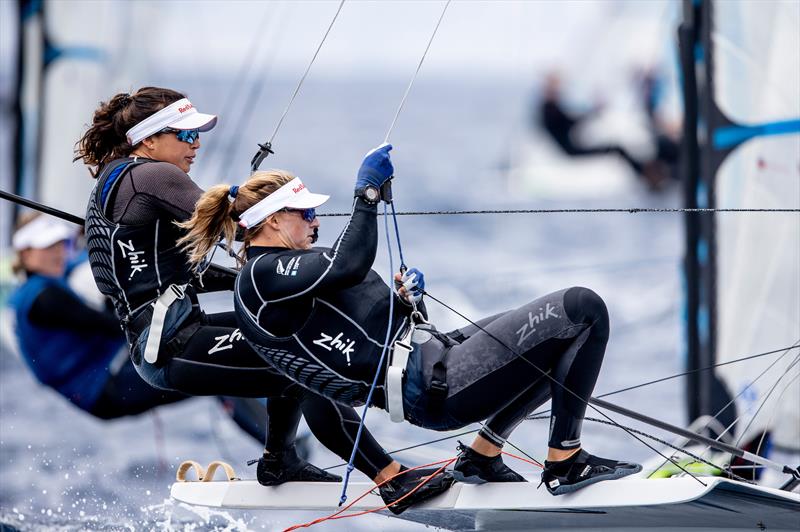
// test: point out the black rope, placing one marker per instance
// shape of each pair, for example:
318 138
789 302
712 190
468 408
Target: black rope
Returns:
699 369
630 210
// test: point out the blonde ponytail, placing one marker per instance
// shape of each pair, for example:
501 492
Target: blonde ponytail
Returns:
217 213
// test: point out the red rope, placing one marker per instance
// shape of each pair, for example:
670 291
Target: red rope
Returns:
338 514
531 461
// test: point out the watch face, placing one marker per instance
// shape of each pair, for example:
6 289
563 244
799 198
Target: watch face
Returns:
371 193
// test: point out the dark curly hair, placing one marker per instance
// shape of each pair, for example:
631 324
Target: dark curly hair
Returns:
105 139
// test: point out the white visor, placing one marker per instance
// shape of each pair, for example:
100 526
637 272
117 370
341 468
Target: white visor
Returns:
292 195
42 233
177 115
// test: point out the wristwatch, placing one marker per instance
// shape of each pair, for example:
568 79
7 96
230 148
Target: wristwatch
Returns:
369 193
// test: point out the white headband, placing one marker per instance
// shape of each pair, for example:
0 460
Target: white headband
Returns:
42 232
293 195
177 115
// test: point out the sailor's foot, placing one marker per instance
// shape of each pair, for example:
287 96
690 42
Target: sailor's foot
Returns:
582 469
285 466
404 484
475 468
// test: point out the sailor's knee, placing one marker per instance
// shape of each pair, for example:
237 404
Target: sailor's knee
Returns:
583 305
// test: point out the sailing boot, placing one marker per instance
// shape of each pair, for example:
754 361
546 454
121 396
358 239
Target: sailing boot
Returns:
475 468
582 469
404 484
285 466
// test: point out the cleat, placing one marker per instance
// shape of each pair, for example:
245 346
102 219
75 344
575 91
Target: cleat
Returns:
285 466
403 484
582 469
475 468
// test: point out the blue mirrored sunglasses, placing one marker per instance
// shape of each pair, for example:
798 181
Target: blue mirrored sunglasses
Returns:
184 135
309 215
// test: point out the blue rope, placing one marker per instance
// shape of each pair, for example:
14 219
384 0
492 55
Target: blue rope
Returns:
403 266
350 465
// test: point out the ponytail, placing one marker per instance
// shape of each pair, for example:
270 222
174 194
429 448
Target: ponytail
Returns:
106 139
217 213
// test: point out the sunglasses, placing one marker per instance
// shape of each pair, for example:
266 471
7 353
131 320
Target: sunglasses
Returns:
309 215
184 135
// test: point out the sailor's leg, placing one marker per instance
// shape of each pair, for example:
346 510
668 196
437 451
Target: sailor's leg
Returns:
577 368
335 426
127 394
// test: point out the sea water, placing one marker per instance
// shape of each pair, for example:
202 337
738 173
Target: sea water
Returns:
60 469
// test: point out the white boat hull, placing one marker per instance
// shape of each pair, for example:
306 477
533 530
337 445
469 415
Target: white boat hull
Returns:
628 503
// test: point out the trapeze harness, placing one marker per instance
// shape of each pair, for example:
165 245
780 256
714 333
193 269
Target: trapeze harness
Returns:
140 268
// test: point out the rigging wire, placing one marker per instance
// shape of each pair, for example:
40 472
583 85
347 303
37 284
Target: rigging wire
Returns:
266 148
629 210
772 389
414 77
564 387
721 410
772 416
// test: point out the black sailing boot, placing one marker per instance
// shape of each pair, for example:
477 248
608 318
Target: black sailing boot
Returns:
475 468
404 484
582 469
285 466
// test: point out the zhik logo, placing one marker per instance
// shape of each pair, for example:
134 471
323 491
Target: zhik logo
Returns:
225 341
330 343
528 329
291 267
137 263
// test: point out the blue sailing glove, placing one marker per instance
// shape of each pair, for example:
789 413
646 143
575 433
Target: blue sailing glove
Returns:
376 168
410 285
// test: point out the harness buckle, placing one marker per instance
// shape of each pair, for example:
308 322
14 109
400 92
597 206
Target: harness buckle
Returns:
438 390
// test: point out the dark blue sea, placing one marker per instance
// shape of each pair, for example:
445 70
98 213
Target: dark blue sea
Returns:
454 142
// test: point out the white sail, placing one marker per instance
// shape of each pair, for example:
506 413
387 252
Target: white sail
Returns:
94 59
757 81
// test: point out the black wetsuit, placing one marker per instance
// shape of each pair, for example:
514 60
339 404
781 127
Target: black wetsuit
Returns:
322 322
131 235
561 126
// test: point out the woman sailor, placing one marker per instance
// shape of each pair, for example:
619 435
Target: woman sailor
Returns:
140 148
320 314
82 353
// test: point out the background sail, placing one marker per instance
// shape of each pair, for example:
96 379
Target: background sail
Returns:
756 79
79 69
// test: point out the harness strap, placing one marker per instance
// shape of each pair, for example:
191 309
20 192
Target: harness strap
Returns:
395 373
437 391
160 307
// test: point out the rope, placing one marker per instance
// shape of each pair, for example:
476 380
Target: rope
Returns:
414 77
629 210
339 514
350 463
